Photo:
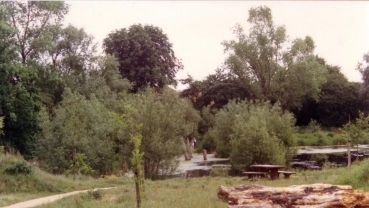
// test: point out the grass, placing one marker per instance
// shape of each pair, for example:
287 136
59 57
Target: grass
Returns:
321 137
192 192
177 192
20 187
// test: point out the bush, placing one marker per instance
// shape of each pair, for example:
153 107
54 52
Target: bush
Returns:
358 177
253 133
18 167
314 126
94 194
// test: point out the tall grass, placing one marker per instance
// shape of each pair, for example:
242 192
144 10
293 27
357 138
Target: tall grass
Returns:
192 192
177 192
23 186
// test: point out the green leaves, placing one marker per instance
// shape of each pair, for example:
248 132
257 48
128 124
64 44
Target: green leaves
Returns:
165 120
356 130
145 56
270 67
31 21
253 133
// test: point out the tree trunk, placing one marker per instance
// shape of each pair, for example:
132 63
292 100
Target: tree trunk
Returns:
185 149
138 191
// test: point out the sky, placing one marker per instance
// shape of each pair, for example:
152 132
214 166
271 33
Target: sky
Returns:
196 29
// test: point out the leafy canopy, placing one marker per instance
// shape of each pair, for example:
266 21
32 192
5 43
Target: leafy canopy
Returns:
145 56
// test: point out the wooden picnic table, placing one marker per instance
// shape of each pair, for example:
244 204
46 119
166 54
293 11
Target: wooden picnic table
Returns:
272 170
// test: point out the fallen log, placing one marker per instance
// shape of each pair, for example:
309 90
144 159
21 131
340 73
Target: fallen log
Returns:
298 196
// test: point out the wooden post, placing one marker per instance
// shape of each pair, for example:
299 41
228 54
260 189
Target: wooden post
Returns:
349 154
204 153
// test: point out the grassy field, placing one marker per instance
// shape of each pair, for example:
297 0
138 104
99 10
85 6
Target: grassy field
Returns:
177 192
20 187
202 192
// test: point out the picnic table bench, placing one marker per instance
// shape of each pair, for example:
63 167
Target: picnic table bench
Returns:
286 174
253 174
271 170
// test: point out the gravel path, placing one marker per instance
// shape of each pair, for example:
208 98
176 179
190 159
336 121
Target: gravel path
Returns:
49 199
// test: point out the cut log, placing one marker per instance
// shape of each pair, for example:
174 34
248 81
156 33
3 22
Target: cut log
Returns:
298 196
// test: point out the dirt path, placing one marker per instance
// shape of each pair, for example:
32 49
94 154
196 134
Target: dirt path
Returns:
49 199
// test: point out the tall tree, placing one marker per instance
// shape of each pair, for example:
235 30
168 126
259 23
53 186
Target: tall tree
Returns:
338 102
19 100
145 56
214 91
32 20
271 68
166 119
363 68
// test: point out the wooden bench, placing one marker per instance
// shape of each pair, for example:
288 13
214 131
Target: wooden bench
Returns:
251 175
286 174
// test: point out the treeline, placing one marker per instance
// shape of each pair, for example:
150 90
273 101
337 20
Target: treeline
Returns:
78 112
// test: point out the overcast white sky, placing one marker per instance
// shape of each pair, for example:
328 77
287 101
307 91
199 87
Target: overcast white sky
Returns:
197 28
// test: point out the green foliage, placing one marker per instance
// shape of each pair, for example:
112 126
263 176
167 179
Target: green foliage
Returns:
19 100
253 133
79 126
269 67
32 21
214 91
145 56
166 120
137 160
356 130
78 166
18 167
363 68
314 126
357 176
95 194
338 101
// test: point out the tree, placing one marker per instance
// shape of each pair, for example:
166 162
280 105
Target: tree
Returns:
82 132
137 160
356 130
269 67
71 50
166 120
338 102
145 56
32 20
253 133
19 99
214 91
363 68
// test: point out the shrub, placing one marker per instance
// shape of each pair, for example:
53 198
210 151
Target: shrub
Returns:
18 167
358 177
314 126
253 133
94 194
